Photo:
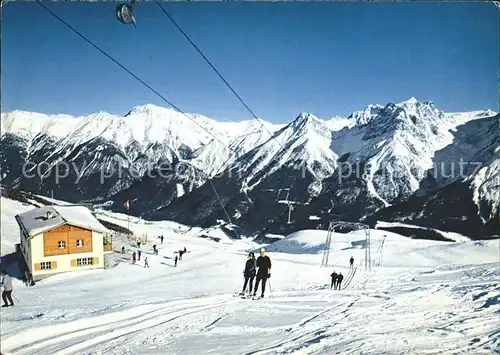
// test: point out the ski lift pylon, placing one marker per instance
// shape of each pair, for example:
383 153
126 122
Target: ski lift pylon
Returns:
125 13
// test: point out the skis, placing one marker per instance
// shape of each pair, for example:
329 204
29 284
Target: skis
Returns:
243 297
247 297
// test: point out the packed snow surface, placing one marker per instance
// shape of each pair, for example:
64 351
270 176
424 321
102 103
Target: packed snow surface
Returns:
10 229
420 297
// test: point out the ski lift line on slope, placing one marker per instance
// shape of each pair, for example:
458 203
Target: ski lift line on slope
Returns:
131 20
200 52
142 82
126 69
216 70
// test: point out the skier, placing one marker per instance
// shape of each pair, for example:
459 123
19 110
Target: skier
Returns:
175 260
180 254
123 249
334 280
146 262
161 239
264 265
7 289
27 278
351 261
339 280
139 252
133 257
155 250
249 274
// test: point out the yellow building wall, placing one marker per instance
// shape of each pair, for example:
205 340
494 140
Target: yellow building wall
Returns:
63 262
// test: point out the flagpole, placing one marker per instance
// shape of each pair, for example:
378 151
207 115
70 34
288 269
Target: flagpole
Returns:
127 207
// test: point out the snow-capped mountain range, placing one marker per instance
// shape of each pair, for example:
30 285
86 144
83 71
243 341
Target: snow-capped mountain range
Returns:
368 162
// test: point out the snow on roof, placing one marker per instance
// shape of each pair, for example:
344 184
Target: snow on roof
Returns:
43 219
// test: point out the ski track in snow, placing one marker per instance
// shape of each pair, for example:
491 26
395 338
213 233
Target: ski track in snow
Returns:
322 319
428 298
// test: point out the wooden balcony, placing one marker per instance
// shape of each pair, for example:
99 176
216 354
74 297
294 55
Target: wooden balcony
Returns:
108 245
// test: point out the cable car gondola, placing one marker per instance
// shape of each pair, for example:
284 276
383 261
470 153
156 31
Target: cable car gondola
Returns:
125 13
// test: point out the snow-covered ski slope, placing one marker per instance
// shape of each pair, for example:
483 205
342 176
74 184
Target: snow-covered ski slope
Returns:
426 298
10 230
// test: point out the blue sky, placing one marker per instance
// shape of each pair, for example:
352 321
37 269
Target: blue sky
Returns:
282 58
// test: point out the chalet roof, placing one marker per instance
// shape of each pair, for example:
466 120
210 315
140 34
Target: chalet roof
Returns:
45 218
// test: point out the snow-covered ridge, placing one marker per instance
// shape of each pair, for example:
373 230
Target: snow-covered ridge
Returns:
149 123
303 143
143 124
396 143
142 131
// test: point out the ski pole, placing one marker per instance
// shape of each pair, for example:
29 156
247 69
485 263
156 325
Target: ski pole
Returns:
15 298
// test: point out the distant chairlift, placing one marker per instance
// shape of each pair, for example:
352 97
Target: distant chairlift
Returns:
290 204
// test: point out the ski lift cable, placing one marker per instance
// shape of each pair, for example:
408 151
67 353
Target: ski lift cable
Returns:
127 70
215 70
143 83
135 76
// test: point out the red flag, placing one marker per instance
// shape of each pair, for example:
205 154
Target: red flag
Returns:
127 205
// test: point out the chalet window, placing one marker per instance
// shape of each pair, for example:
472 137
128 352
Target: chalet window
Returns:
45 265
79 243
61 244
84 262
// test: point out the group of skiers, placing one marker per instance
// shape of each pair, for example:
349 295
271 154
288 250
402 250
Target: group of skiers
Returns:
136 256
260 267
338 278
180 252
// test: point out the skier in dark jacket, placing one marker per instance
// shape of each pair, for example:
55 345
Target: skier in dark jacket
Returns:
351 261
334 280
249 274
175 260
339 280
264 265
